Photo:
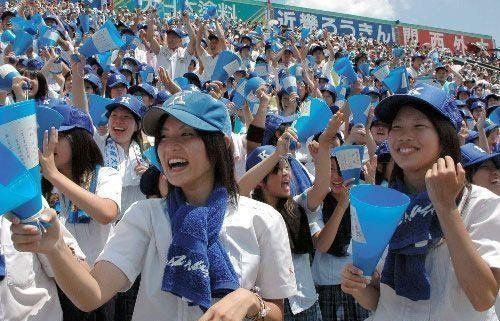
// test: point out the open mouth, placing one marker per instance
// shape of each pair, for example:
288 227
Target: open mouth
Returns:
407 150
119 129
177 164
495 182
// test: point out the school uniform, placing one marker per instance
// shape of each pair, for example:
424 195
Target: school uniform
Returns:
448 301
28 291
253 235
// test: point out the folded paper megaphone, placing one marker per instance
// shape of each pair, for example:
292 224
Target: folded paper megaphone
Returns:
350 161
360 107
103 40
375 214
227 64
313 118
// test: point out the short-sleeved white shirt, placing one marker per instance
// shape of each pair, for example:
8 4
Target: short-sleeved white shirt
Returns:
28 292
209 63
176 62
253 234
448 301
93 235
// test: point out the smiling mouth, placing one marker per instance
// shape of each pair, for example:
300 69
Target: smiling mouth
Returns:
119 129
407 150
177 164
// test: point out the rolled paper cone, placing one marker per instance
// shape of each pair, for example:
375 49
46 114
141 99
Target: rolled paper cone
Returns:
375 214
381 72
97 107
251 86
495 116
8 36
350 161
396 79
182 82
313 118
23 42
349 73
340 64
289 84
104 40
239 94
48 37
7 74
46 118
365 68
360 107
227 64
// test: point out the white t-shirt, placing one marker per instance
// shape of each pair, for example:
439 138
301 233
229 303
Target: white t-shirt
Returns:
209 63
176 63
28 292
253 234
448 301
239 154
93 235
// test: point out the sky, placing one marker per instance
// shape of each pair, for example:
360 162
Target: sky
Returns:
475 16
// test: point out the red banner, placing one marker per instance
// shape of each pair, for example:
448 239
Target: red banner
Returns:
456 42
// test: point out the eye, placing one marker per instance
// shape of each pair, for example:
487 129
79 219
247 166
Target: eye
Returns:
187 134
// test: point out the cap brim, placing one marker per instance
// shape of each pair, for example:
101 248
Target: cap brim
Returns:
387 109
117 83
494 157
112 106
151 120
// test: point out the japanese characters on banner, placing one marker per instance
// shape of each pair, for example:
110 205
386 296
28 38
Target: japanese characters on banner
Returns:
340 25
456 42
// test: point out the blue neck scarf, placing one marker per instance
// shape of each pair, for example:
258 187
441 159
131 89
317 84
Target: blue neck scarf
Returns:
3 267
419 230
77 215
198 267
300 180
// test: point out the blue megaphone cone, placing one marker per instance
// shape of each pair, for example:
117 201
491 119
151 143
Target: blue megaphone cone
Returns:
239 94
152 157
251 86
16 182
380 72
23 42
360 107
375 213
48 37
349 74
365 69
397 80
97 107
340 64
495 116
182 82
104 40
227 64
7 74
289 84
313 118
18 127
350 161
46 118
8 37
84 20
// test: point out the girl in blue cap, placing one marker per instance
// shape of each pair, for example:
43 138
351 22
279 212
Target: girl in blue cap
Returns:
85 194
443 261
201 242
269 180
481 167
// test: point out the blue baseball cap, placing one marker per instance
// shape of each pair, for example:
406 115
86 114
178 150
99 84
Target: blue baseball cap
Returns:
477 104
273 122
473 135
463 89
474 155
383 152
35 64
129 102
177 31
74 118
460 103
370 91
145 88
162 97
94 80
198 110
258 155
330 88
422 96
115 80
128 60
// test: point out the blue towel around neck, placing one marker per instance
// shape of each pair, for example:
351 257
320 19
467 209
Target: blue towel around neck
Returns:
3 267
198 267
300 179
418 231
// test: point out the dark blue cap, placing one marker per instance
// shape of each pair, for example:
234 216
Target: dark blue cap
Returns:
35 64
195 109
422 96
129 102
477 104
474 155
74 118
463 89
473 135
144 87
329 87
115 80
94 80
258 155
371 91
273 122
162 97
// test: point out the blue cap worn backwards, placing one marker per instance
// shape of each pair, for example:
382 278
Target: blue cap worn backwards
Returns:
258 155
195 109
422 96
74 118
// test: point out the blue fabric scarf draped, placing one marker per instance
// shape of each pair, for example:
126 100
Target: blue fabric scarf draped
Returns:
419 230
3 267
198 267
77 215
300 179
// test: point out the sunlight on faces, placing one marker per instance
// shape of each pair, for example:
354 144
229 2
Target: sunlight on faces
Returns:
183 155
122 125
413 140
118 91
278 184
488 176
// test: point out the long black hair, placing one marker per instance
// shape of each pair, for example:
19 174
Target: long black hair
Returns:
85 156
220 156
448 139
43 87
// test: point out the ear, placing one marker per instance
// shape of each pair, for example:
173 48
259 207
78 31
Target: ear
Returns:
228 141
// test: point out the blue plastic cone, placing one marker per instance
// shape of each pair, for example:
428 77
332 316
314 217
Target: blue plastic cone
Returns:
381 72
360 107
48 37
313 119
349 74
182 82
397 80
350 160
84 20
104 40
227 64
251 86
341 63
375 213
495 116
46 118
289 84
239 94
8 36
97 107
23 42
7 74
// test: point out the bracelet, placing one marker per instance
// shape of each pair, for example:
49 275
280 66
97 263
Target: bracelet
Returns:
264 309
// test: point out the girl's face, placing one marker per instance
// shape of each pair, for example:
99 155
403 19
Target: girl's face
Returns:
327 96
494 138
413 140
183 155
122 125
476 113
88 88
301 90
379 133
118 91
62 152
278 184
33 87
335 178
488 176
289 106
68 84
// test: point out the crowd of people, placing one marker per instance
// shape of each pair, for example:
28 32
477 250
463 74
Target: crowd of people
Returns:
233 216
